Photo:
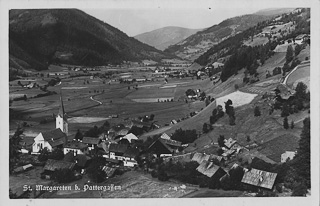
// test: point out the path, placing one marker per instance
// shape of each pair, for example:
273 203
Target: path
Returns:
95 100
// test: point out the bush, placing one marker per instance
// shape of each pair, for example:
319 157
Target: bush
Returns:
94 171
257 111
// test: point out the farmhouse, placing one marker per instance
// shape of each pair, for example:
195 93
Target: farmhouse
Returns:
199 157
51 139
130 156
92 142
259 178
116 151
160 148
211 170
75 147
109 171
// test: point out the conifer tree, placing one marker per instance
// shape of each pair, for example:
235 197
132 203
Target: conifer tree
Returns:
285 123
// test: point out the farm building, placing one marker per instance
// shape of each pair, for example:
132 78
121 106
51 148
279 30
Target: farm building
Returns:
287 155
116 151
130 137
300 39
109 171
160 148
75 147
82 160
50 140
92 142
211 170
199 157
23 168
230 142
165 136
259 178
130 156
52 165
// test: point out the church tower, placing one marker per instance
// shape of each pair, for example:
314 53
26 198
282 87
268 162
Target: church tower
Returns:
61 118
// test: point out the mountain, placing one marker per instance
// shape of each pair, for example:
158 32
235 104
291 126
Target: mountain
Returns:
274 11
40 37
197 44
164 37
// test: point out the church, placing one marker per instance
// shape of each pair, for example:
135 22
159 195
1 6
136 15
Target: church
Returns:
55 138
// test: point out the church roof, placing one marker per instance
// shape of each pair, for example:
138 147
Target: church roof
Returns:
54 134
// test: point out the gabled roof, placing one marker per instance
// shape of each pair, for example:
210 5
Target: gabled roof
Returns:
69 157
90 140
199 157
53 134
122 132
55 143
131 152
76 145
162 143
53 165
120 148
165 136
130 137
259 178
208 168
109 171
230 142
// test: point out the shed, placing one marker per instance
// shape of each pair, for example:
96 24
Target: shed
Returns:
210 170
199 157
259 178
52 165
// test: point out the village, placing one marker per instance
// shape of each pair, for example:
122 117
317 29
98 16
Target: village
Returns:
164 129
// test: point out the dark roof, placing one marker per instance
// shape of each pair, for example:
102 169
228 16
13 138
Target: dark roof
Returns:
69 157
56 142
112 160
162 143
121 148
131 152
53 134
90 140
76 145
259 178
53 165
82 159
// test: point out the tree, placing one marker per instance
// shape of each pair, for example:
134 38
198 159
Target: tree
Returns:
301 91
14 148
44 155
56 154
292 124
285 111
94 171
232 120
297 49
285 123
257 111
221 141
289 54
301 162
79 135
184 136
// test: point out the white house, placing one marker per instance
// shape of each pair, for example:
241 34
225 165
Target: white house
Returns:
50 140
76 147
287 155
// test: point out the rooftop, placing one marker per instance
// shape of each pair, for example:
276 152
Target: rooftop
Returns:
259 178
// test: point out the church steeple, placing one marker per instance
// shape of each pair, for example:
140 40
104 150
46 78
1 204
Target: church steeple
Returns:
62 113
61 119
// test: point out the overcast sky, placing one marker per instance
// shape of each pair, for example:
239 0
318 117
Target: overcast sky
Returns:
136 21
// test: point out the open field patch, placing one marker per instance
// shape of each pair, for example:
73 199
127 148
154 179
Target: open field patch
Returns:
83 120
74 87
302 73
238 98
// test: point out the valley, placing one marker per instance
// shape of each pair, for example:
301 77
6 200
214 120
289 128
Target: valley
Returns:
191 122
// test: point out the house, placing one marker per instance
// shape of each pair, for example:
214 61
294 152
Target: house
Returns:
229 142
75 147
51 139
287 155
173 144
130 156
301 38
259 178
199 157
211 170
130 137
92 142
116 151
82 160
53 165
160 148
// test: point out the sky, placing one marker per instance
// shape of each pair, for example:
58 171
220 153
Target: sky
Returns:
136 21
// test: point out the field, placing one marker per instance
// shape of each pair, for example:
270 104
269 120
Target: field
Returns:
301 74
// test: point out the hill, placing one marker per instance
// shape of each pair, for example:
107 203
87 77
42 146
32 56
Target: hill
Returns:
274 11
196 44
164 37
40 37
